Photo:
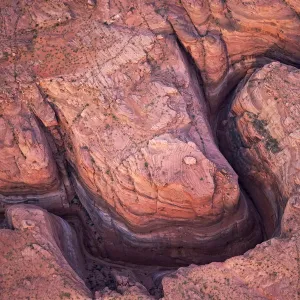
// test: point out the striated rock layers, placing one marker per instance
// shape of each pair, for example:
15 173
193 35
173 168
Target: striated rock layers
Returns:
122 105
111 91
42 248
117 102
145 162
261 138
28 171
227 39
270 271
40 257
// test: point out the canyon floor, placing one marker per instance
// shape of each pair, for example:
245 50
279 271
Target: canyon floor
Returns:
149 149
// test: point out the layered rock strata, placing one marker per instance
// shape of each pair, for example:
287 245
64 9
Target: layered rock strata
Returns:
228 38
116 96
28 171
40 257
270 271
122 99
118 102
43 248
261 135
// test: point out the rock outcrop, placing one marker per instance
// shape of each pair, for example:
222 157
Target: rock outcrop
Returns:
261 135
270 271
28 171
143 155
40 248
229 38
127 287
121 107
120 101
40 257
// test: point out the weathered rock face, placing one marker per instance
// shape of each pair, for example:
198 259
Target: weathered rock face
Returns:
142 150
44 248
39 255
270 271
227 38
127 287
117 102
116 92
28 171
261 138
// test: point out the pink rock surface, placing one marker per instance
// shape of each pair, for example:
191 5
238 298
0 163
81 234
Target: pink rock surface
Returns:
270 271
227 38
125 104
39 256
262 138
118 98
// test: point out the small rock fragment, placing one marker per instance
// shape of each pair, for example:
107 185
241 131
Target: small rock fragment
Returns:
190 160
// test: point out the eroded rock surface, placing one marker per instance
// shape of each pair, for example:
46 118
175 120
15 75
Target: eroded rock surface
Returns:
228 38
130 144
127 287
261 138
28 170
270 271
119 103
117 97
40 257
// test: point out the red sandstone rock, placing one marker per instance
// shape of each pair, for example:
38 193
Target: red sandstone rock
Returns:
109 94
227 38
270 271
131 114
40 257
262 138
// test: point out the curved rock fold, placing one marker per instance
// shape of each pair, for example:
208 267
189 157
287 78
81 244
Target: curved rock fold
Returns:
170 127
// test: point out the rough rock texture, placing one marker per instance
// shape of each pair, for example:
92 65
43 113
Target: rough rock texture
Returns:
125 103
270 271
28 171
115 94
40 257
227 38
127 287
43 245
261 137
